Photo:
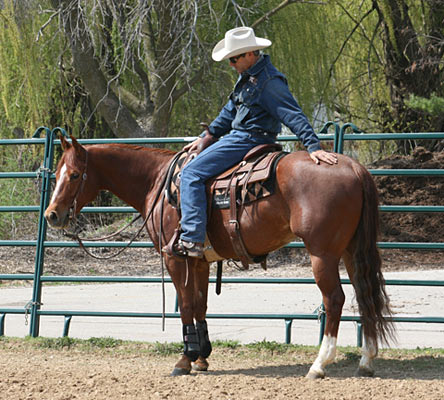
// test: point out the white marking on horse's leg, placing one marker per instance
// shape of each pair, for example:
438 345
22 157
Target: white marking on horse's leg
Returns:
327 354
369 352
59 183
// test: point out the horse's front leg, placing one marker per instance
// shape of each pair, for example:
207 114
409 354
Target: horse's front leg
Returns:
201 278
192 303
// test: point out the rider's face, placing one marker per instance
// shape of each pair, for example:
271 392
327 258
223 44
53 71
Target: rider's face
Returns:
244 62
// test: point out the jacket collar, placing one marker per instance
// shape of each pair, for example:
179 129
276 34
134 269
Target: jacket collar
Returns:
260 65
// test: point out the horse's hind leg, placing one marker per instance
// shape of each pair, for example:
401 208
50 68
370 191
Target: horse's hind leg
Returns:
326 274
370 347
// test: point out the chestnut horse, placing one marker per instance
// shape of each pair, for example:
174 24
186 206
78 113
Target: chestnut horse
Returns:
333 208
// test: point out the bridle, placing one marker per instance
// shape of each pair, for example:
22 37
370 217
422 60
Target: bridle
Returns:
73 206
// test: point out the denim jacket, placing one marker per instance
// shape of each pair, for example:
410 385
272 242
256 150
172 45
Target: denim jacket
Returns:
260 102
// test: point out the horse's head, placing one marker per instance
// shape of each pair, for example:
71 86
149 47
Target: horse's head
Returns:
71 178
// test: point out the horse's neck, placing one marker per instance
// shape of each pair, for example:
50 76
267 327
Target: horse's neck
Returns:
131 173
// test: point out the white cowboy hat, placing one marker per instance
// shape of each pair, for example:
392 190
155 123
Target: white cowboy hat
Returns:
238 41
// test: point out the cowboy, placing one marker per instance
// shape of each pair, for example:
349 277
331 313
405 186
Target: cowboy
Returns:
258 105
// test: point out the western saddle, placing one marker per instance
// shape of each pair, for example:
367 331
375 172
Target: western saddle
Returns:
248 181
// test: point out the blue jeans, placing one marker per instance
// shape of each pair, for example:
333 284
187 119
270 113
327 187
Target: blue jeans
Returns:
220 156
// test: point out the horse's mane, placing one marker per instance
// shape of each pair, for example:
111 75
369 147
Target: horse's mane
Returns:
138 148
69 157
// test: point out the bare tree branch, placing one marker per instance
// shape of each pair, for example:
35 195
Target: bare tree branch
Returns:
279 7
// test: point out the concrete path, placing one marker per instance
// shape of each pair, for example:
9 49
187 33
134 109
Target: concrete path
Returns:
235 299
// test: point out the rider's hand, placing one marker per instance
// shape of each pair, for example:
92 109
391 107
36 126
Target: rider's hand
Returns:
190 147
321 155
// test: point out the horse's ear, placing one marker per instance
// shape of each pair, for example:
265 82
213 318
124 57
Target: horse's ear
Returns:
65 143
80 150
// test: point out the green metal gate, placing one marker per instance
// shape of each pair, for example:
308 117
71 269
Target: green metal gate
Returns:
33 308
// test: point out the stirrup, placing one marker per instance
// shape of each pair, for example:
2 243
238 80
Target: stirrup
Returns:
180 249
172 244
188 249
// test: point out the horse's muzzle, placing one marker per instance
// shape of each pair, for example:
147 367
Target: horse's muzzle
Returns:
55 219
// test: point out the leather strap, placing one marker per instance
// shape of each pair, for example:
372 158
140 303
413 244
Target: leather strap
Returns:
219 278
234 231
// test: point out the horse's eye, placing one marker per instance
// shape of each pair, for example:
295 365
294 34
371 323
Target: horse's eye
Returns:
74 176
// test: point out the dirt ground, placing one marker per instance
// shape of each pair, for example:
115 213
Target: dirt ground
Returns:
413 190
131 371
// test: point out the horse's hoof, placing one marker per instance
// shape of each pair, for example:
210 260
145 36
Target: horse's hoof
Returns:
180 372
365 372
315 375
200 365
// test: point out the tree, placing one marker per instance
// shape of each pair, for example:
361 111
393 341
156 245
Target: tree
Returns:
143 68
115 42
413 37
138 58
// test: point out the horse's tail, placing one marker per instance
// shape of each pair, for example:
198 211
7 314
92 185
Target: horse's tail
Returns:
368 280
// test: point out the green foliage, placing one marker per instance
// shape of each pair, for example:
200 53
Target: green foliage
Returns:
433 105
27 76
18 192
333 74
53 343
104 342
66 342
331 53
301 50
226 344
272 347
38 85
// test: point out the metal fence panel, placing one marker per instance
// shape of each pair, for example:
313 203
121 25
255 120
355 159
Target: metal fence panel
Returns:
46 174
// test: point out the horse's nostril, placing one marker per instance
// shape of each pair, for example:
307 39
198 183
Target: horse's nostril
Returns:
53 216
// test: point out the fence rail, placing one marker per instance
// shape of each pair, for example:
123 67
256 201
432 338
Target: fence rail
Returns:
46 174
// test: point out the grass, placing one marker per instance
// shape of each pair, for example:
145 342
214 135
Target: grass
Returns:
67 343
422 356
272 347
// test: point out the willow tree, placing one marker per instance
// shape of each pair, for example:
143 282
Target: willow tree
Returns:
413 35
27 78
137 58
382 62
404 43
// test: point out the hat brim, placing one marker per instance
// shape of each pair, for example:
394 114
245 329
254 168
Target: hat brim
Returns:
221 53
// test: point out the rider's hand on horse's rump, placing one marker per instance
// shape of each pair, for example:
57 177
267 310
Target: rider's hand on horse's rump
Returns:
322 155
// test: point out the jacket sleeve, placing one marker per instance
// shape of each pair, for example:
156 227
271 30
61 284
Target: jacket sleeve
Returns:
280 103
222 124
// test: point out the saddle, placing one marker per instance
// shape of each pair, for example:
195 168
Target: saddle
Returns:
246 182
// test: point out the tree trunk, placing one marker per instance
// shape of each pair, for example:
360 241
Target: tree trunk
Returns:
412 67
110 107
